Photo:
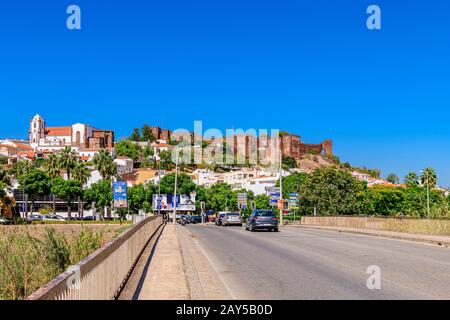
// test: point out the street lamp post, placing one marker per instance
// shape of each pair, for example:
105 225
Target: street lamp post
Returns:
281 189
159 187
428 192
174 219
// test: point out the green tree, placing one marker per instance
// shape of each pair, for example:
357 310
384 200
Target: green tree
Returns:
148 152
5 186
262 202
393 178
21 168
388 200
135 136
166 160
104 163
147 134
429 177
99 193
140 197
128 149
35 183
292 183
53 169
68 190
411 179
219 197
289 162
332 191
185 185
67 160
81 173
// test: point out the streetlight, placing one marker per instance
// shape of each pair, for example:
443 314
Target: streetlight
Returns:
428 191
174 219
281 189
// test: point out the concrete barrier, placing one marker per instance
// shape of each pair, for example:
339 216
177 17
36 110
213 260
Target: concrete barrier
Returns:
102 275
408 225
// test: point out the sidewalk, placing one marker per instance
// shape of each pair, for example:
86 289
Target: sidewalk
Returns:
436 240
165 278
180 271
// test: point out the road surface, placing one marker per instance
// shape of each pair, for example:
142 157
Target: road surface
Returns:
298 263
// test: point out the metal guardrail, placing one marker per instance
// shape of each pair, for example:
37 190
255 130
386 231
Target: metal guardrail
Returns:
102 275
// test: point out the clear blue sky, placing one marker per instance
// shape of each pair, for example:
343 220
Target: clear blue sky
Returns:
309 67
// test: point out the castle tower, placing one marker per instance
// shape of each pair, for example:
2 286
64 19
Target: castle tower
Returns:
37 130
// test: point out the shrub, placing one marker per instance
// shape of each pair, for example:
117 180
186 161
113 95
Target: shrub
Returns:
27 263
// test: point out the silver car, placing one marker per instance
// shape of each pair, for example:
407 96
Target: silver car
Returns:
232 219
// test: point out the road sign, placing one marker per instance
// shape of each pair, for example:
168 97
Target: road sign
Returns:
293 201
242 200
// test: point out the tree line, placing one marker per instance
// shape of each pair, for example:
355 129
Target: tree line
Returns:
65 176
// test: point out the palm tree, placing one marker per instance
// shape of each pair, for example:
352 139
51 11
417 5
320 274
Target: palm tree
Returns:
411 179
166 158
104 163
81 173
21 168
53 169
67 159
429 177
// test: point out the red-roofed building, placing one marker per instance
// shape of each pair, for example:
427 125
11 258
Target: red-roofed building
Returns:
84 139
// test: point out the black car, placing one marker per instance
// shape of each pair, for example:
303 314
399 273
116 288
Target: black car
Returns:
262 219
196 219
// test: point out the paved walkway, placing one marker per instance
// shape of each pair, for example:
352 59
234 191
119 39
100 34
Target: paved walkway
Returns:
165 278
437 240
179 270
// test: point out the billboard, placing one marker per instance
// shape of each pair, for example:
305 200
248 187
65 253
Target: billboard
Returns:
187 202
164 202
120 195
160 202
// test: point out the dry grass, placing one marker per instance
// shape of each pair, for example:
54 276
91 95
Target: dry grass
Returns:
69 230
32 255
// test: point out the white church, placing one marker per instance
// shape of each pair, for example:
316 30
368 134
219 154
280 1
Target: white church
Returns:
84 139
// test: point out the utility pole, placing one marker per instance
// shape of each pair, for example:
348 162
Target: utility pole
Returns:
159 188
174 219
281 189
428 194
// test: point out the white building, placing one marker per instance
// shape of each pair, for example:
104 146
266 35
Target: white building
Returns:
124 164
84 139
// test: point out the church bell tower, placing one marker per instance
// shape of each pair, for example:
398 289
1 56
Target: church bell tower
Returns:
37 130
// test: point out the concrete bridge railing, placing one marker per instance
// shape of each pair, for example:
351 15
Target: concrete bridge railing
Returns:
102 275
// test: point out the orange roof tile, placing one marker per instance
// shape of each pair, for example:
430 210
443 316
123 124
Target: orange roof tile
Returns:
58 131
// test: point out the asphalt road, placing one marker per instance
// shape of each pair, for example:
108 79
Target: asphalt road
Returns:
298 263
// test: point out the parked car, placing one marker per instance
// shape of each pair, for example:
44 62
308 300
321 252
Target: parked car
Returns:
262 219
220 217
53 217
232 219
35 217
89 218
3 221
196 219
